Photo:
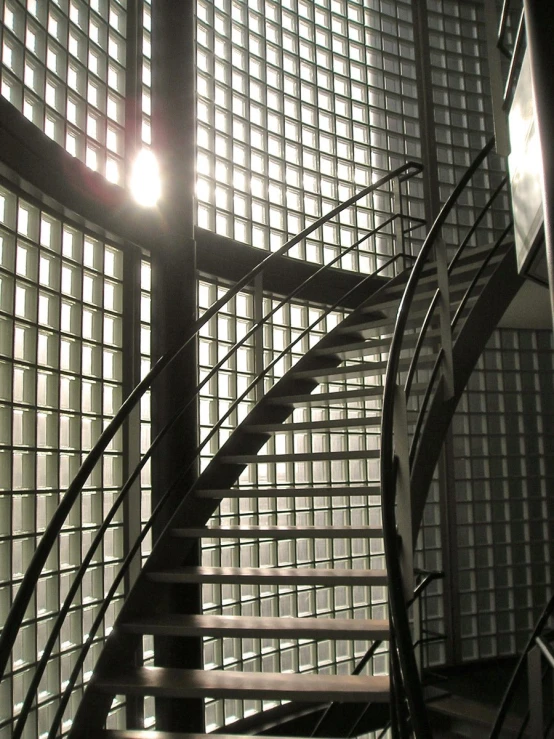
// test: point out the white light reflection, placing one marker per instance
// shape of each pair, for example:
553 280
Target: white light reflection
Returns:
145 183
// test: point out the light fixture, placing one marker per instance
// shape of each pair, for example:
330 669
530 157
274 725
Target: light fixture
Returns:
145 182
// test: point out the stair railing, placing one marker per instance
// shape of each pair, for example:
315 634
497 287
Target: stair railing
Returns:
531 655
395 459
170 490
15 617
425 578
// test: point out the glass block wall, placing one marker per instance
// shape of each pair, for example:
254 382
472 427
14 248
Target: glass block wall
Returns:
61 369
301 104
463 114
504 509
63 67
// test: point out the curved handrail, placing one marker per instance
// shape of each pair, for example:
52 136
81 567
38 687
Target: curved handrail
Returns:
398 614
512 685
52 531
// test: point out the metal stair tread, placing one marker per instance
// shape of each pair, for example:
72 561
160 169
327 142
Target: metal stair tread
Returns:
337 396
362 368
153 734
372 488
258 627
280 532
312 425
270 575
300 457
170 682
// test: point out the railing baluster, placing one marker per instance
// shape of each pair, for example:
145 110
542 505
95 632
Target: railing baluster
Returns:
534 679
445 319
403 496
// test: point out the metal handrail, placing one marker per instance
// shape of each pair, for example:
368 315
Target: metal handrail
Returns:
516 675
428 577
52 531
398 613
509 89
503 29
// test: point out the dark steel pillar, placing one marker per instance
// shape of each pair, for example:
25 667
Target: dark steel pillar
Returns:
174 308
539 23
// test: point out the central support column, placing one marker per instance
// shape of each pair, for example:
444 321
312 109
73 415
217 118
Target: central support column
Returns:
174 310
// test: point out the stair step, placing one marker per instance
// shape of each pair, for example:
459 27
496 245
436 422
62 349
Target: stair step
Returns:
270 576
424 295
375 391
372 488
361 369
280 532
368 347
332 423
262 627
301 457
168 682
152 734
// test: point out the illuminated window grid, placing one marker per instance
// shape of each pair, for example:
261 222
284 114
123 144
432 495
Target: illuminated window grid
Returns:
145 404
291 119
216 338
60 365
463 114
63 67
146 133
504 447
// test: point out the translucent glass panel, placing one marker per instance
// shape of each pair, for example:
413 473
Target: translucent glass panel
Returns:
145 404
504 452
63 67
463 114
300 104
231 381
60 381
146 132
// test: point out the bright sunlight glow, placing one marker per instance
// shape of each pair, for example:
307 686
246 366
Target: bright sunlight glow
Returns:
146 186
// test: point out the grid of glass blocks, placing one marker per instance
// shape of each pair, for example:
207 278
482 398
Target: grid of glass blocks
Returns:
301 104
505 514
216 339
463 115
63 67
146 74
145 403
60 380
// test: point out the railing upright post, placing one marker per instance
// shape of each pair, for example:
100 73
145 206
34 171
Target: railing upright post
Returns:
398 222
496 80
444 315
403 493
534 682
259 334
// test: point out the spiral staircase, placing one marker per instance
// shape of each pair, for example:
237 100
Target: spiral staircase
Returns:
402 358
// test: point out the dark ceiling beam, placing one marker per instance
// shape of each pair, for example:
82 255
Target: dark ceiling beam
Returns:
230 260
